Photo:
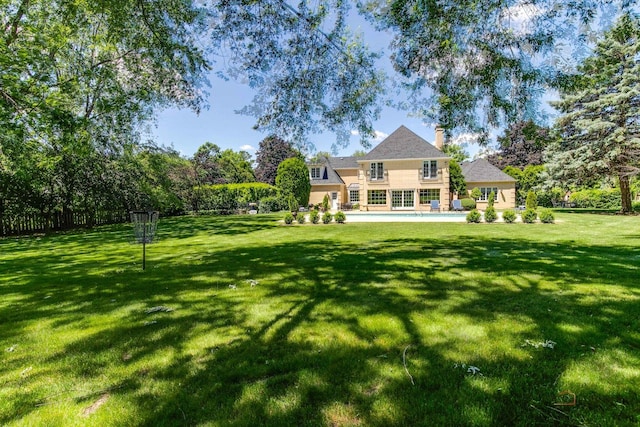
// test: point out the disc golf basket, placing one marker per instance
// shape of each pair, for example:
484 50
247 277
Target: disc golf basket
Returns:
144 228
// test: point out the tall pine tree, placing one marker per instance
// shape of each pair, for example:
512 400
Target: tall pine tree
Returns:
600 125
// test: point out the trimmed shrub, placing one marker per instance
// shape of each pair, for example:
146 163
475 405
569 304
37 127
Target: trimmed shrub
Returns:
529 216
271 204
546 216
474 216
288 218
292 202
468 204
509 216
325 203
300 217
314 216
340 217
476 193
491 199
490 214
532 200
327 217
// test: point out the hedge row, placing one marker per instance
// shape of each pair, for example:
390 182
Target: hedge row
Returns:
596 199
228 198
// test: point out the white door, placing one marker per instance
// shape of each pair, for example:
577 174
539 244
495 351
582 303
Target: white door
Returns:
402 199
334 200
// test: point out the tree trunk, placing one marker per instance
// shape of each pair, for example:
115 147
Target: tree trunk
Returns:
625 193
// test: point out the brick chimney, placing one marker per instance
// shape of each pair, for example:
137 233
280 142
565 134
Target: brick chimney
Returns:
439 138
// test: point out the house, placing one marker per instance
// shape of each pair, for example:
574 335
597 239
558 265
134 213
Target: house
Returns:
403 172
487 178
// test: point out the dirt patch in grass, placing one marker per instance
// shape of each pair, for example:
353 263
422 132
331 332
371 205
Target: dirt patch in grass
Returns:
89 410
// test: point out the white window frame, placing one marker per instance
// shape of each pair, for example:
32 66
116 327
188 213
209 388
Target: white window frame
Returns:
379 200
354 196
315 172
485 191
376 171
430 169
425 191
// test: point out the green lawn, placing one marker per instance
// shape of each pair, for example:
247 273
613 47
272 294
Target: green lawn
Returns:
354 324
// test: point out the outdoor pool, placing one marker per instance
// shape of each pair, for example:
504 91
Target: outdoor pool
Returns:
405 217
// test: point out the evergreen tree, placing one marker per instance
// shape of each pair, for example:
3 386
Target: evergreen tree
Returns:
457 184
599 127
293 178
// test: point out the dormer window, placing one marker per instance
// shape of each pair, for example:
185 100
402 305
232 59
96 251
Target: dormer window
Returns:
315 172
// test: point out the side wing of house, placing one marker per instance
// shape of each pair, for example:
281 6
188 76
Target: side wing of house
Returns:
334 177
487 178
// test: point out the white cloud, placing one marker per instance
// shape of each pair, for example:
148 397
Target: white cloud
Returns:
247 147
465 138
378 135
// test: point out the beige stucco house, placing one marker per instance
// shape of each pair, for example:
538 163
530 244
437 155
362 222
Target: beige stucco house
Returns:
403 172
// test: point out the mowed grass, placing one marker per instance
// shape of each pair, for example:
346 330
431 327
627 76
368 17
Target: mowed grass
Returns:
355 324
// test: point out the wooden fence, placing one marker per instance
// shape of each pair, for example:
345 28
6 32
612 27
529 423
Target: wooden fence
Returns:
11 225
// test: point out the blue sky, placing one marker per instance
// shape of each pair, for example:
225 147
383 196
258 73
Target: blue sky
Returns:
186 131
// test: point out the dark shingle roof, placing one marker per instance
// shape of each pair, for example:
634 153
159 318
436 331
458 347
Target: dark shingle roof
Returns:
403 144
327 171
480 170
344 162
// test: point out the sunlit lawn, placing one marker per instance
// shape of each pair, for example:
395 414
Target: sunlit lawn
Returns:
354 324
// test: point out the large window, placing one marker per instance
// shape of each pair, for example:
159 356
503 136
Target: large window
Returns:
377 171
429 194
354 196
377 197
315 173
430 169
485 191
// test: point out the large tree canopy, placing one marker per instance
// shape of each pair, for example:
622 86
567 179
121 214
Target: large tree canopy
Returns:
477 64
522 144
600 125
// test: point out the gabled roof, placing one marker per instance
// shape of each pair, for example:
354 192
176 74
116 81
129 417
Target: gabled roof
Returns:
403 144
480 170
328 175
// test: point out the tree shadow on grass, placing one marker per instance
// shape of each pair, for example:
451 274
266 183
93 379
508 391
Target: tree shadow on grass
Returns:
320 340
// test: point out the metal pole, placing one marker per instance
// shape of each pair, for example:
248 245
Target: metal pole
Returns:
144 244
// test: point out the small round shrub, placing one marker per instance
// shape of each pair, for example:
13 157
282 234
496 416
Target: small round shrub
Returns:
327 217
546 216
288 218
509 216
529 216
468 204
340 217
314 216
300 218
474 216
490 214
